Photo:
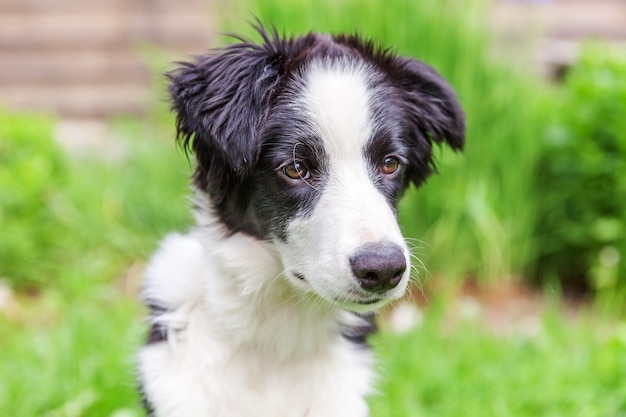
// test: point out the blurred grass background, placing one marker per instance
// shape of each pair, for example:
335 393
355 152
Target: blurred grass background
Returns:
538 198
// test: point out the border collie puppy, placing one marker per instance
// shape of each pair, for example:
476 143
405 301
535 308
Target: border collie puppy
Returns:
303 147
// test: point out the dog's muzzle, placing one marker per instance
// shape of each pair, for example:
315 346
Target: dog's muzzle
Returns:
379 267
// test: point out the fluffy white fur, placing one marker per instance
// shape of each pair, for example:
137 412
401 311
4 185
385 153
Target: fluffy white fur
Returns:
240 341
244 336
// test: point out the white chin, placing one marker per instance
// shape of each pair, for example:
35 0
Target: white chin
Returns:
364 306
358 305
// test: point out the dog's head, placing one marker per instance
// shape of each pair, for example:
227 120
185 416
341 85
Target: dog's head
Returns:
308 143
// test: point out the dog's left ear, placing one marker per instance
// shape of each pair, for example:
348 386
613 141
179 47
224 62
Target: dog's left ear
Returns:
220 100
433 114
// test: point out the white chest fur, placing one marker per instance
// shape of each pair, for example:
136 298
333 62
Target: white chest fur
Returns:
240 342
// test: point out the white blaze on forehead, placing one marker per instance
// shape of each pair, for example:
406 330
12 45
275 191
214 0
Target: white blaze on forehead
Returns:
337 99
351 211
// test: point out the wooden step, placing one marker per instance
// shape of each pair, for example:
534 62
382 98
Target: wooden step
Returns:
72 67
55 30
80 101
573 19
46 6
87 58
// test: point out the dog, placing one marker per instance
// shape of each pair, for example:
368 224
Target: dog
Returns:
303 147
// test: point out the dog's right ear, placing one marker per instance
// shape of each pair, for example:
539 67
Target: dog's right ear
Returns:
219 102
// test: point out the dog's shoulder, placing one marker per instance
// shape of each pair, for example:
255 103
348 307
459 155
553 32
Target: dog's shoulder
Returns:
174 273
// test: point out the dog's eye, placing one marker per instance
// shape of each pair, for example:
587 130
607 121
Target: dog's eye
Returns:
390 165
296 171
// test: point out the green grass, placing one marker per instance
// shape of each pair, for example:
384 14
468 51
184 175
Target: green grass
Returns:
32 171
71 358
563 369
76 359
67 341
81 221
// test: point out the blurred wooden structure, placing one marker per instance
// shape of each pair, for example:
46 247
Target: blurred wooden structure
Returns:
82 58
559 27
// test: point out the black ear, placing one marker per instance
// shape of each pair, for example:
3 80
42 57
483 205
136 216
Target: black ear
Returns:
433 114
220 100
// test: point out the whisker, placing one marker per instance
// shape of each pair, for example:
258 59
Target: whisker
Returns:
416 244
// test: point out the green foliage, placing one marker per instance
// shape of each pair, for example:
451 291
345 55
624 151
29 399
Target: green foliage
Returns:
479 212
114 213
582 176
68 221
71 226
74 359
464 370
32 173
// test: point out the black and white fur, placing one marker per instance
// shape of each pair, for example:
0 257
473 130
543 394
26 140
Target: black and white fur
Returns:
303 147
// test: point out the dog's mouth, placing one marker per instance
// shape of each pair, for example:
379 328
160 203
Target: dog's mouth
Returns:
362 305
298 275
356 302
360 301
363 302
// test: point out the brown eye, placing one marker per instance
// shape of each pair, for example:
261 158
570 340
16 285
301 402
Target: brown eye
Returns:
390 165
296 171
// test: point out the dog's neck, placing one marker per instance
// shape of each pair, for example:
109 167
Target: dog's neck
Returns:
258 308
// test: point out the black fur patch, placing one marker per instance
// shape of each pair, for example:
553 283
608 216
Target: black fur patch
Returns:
157 332
358 334
147 406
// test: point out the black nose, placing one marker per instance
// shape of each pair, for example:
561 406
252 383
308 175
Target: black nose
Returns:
378 267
